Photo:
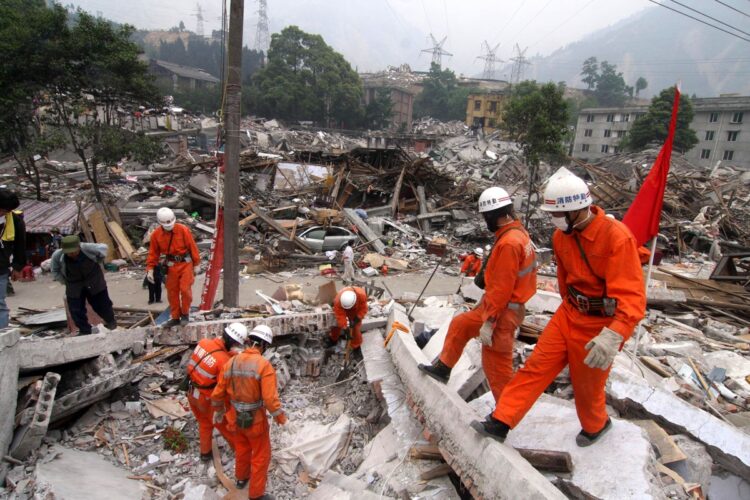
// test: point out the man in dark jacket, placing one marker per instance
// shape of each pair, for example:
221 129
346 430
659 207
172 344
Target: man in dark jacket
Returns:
12 247
79 267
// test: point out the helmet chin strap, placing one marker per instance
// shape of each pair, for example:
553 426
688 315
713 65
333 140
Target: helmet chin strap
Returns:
571 225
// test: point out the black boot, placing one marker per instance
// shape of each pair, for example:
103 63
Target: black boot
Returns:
437 370
172 323
491 427
584 439
241 483
206 457
184 320
264 497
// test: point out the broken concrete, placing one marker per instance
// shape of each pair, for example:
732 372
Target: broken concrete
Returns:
727 445
488 468
92 392
697 467
335 486
287 324
552 424
8 390
37 354
33 427
79 475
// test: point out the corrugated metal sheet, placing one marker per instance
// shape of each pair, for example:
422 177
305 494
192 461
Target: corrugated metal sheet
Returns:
43 217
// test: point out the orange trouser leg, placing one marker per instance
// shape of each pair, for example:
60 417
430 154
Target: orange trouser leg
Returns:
588 383
204 414
463 328
173 293
253 455
186 279
548 359
497 359
357 336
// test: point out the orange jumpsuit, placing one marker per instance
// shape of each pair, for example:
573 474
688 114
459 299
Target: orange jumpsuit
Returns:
472 265
611 251
176 245
207 360
248 383
344 316
510 281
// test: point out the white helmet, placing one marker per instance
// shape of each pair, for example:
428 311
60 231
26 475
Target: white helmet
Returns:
565 192
488 247
493 198
262 332
479 251
237 332
348 299
165 217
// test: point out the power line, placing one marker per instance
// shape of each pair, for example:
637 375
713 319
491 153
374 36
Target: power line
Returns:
730 7
509 20
562 24
531 20
711 18
700 21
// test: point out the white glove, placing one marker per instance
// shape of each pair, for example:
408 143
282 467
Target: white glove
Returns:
485 333
196 269
603 348
218 416
150 276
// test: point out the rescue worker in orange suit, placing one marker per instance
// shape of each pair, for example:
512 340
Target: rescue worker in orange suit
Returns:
247 386
472 263
206 362
350 308
509 281
176 243
601 284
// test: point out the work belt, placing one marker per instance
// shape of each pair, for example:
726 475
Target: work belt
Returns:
199 386
592 306
514 306
179 258
243 406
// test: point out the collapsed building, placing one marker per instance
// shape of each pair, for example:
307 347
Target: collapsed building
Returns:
104 411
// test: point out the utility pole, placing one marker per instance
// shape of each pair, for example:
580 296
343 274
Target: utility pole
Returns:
232 155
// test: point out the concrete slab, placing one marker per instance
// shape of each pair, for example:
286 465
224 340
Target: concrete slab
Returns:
433 317
80 475
552 424
335 486
8 386
488 468
543 302
468 374
727 445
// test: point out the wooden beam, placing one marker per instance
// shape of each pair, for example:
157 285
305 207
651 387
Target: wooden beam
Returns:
439 471
272 223
548 460
397 192
364 230
425 452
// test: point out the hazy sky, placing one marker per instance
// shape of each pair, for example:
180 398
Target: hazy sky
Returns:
542 25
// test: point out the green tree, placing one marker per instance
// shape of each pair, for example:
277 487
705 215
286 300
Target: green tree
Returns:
379 110
590 72
640 84
611 89
536 118
305 79
652 128
441 97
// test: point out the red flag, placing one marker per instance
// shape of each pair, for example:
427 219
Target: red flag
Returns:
643 216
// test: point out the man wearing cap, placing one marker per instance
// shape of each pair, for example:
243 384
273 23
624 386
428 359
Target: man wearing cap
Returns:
78 266
509 280
206 362
472 263
12 247
247 386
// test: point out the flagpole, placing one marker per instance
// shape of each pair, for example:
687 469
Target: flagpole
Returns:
648 284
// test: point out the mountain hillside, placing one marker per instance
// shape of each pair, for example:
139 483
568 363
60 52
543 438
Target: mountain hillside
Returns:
664 48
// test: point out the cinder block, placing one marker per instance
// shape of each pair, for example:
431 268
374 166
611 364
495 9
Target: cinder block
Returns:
29 435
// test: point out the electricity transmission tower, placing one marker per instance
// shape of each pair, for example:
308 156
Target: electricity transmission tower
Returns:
262 38
199 19
437 50
519 61
490 58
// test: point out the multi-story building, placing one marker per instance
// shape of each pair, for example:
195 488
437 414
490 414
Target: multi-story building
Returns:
485 110
722 125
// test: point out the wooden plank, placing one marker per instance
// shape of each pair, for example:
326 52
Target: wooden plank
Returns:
397 191
439 471
365 230
655 365
669 452
424 224
548 460
272 223
425 452
122 240
101 234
